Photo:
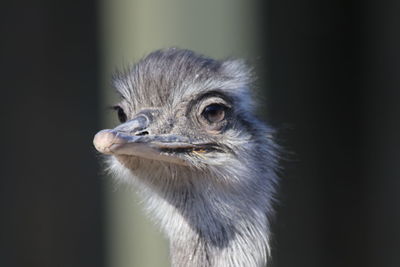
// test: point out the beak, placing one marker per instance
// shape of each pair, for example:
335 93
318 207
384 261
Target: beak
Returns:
123 141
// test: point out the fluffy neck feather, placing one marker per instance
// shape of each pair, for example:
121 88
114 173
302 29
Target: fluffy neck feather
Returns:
207 222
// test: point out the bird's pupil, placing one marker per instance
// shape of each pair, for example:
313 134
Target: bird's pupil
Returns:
214 113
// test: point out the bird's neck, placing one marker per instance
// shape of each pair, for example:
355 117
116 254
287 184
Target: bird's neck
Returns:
208 228
209 222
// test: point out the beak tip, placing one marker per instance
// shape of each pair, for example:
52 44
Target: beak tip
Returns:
103 140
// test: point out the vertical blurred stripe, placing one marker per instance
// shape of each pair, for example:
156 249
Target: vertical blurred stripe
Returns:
130 30
50 194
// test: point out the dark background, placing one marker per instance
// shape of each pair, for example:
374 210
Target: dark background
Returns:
332 73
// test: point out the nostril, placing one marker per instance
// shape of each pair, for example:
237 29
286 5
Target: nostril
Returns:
142 133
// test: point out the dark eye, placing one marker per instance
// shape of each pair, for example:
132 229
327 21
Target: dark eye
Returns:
121 114
214 113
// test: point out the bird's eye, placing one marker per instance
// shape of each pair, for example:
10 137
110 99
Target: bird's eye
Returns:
121 114
214 113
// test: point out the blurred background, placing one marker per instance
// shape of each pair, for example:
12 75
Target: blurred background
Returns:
328 80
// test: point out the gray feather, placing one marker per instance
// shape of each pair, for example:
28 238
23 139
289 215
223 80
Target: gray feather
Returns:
216 210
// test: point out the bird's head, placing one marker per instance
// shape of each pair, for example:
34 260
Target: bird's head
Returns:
183 111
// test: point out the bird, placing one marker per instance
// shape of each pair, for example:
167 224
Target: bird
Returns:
206 166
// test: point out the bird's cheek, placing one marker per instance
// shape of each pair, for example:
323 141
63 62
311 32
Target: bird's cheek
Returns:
214 131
